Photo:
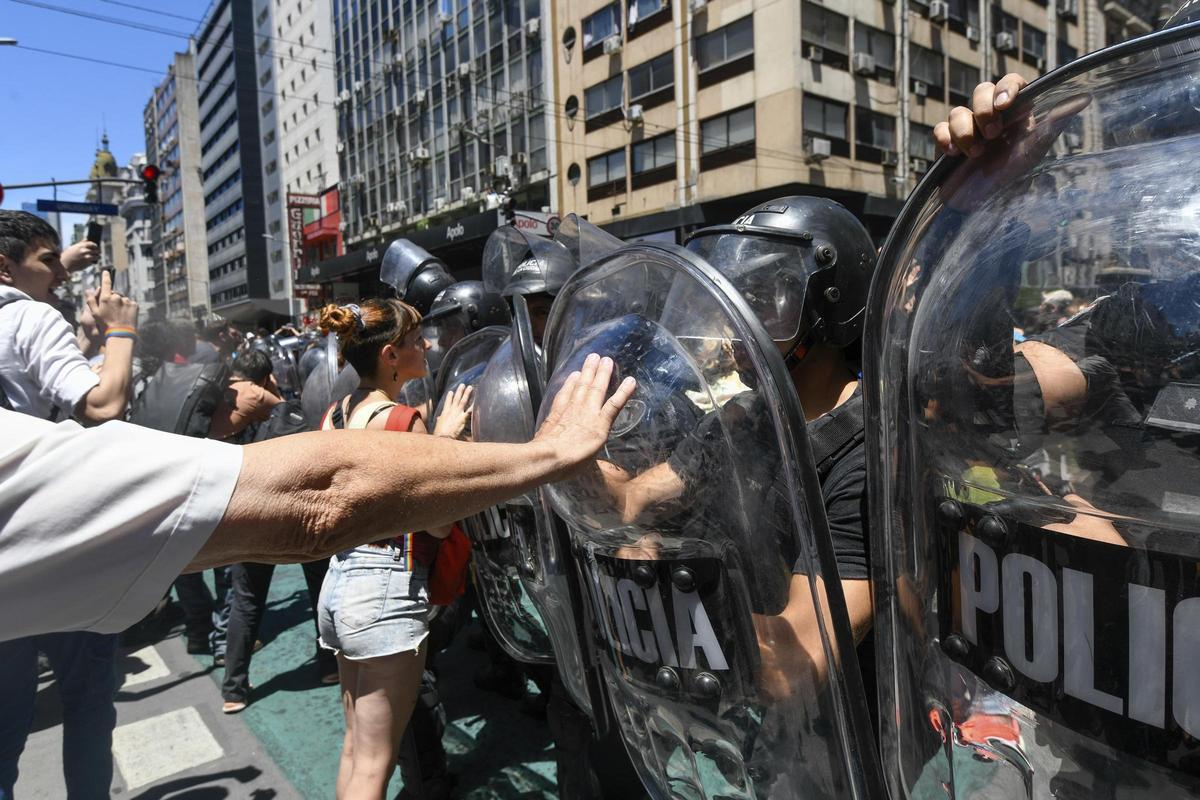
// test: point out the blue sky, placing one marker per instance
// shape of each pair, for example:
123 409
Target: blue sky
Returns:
55 107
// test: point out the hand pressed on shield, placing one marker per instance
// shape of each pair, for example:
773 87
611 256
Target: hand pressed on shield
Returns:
968 130
456 413
580 418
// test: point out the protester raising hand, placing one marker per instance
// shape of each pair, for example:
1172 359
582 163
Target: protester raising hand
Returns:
456 413
110 307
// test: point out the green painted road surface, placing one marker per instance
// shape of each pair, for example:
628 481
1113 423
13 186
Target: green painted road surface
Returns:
496 751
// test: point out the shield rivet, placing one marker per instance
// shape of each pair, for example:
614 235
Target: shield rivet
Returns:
667 679
530 568
833 294
950 512
643 576
992 531
707 685
956 647
806 236
824 254
999 674
684 579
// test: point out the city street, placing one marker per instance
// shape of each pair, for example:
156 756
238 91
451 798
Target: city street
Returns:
172 741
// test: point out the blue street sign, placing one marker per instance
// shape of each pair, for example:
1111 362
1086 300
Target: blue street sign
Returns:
68 207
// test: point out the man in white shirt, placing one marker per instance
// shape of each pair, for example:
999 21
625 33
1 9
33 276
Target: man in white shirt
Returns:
43 373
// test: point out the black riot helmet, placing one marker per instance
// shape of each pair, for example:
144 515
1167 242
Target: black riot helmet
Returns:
415 275
518 263
804 264
461 309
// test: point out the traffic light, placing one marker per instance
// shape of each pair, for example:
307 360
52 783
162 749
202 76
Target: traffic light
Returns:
150 174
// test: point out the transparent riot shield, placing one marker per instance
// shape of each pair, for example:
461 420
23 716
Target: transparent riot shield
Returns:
517 263
719 620
1033 376
506 400
326 384
465 361
585 241
419 393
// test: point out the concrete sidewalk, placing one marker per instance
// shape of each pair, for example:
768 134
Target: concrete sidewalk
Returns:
171 737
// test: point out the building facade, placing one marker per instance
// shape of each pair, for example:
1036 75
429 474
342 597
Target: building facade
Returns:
299 131
138 218
230 104
680 114
179 275
444 112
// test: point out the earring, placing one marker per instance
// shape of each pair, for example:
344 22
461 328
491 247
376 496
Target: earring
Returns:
395 375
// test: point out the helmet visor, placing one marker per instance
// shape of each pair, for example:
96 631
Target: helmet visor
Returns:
401 261
771 274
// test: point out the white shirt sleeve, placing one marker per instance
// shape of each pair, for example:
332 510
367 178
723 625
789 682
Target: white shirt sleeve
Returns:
96 523
50 356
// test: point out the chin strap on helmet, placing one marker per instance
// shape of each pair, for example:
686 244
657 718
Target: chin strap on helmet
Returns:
795 357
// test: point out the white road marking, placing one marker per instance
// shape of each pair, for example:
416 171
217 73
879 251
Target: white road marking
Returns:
152 749
153 667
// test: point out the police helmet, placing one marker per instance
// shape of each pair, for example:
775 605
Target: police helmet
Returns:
804 264
517 263
416 276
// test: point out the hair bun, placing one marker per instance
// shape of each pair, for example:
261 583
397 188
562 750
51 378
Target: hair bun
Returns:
338 320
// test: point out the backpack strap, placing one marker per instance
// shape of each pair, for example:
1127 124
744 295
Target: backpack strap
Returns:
837 432
402 418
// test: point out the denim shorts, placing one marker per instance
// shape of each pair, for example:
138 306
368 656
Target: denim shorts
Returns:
372 604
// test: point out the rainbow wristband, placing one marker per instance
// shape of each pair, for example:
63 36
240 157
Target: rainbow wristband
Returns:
121 332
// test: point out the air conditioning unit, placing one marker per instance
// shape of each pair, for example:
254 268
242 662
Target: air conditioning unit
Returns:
635 113
337 101
814 53
533 28
1072 140
612 44
444 18
972 33
520 158
418 155
502 166
359 86
420 96
341 147
468 193
697 6
343 225
1006 42
439 204
357 180
890 158
939 10
864 64
402 208
920 88
344 95
390 208
1068 8
398 63
819 149
919 165
1040 64
464 71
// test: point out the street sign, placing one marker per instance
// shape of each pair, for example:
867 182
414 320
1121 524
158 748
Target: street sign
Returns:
68 207
310 290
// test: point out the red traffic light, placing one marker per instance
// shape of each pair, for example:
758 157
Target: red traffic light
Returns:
150 172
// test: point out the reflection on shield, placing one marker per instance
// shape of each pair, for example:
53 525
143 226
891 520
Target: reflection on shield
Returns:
463 365
1035 510
700 535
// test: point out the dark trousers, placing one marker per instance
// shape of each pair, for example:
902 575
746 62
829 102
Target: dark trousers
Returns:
85 672
205 615
250 585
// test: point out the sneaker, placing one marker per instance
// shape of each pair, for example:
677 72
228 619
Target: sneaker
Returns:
233 706
198 647
219 661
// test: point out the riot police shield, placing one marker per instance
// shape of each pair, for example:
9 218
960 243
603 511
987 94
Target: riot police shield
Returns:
719 620
465 362
419 393
585 241
517 263
326 384
507 397
1034 501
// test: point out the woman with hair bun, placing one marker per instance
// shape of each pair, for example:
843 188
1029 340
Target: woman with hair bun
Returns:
374 606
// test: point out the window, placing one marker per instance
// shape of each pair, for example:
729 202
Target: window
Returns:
655 156
727 138
651 76
641 9
881 45
963 13
603 97
606 175
1066 53
963 80
1033 45
599 26
874 133
920 142
1003 22
927 68
731 47
825 30
827 119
